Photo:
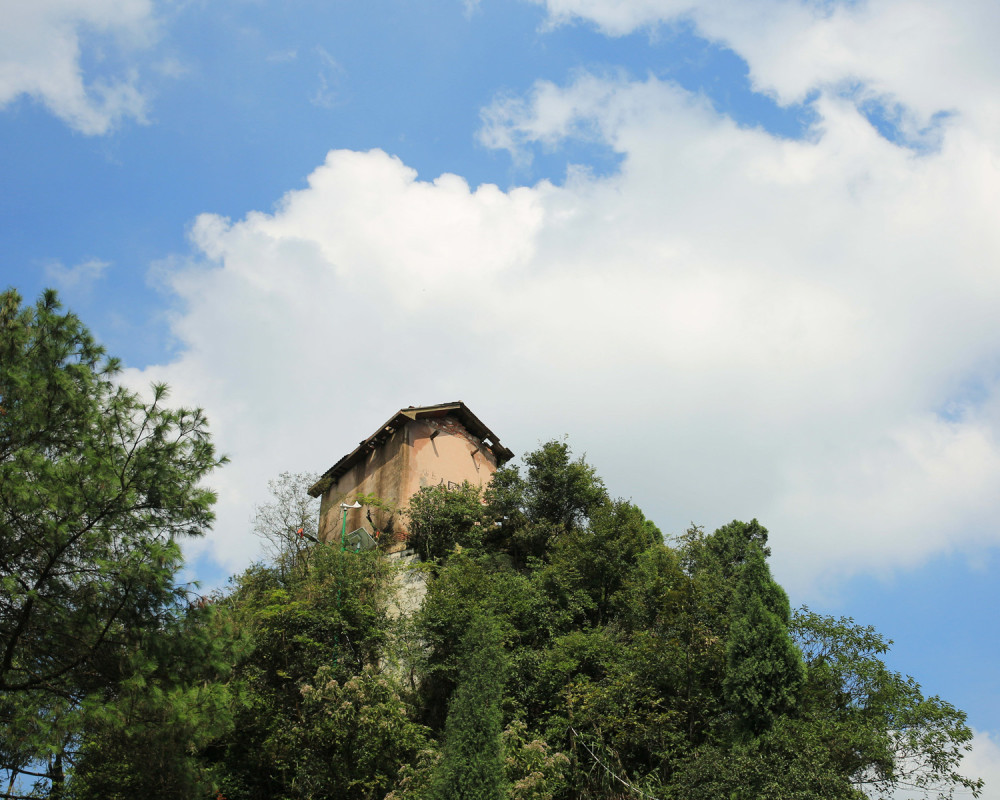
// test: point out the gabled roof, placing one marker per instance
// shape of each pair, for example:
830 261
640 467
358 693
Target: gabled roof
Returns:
457 409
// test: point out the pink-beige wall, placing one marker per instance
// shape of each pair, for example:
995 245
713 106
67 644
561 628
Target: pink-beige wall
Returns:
381 473
444 452
426 452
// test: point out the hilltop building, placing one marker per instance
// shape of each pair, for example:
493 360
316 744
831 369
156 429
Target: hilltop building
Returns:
444 444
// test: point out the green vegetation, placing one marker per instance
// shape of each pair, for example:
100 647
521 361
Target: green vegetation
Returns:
471 766
563 651
96 486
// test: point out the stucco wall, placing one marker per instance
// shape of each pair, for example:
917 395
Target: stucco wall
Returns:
381 473
444 452
425 452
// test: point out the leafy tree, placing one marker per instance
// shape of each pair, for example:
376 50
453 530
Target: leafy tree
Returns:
881 732
561 490
471 766
626 667
533 770
416 776
348 740
588 568
790 761
558 494
705 605
672 671
732 545
308 638
288 525
858 731
96 486
715 560
441 518
468 586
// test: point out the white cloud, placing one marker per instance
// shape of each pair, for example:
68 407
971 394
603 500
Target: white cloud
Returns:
330 76
172 67
282 56
925 55
732 325
41 44
984 762
79 277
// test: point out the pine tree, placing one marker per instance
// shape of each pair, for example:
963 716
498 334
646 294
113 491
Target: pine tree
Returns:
96 486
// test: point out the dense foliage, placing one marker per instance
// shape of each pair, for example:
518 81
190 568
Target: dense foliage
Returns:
563 650
96 486
471 766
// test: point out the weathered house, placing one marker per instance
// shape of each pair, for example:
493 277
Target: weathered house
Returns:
444 444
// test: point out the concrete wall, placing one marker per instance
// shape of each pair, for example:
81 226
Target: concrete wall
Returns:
410 584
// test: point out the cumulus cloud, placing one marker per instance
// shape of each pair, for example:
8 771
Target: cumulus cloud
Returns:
731 325
42 43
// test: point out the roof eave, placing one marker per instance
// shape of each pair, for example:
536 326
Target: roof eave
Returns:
471 422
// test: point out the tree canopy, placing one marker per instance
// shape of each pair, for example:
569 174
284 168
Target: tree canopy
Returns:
96 487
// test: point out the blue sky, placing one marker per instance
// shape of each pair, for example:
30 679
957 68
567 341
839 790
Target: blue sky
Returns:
744 255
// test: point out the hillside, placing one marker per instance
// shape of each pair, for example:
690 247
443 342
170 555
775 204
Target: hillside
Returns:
564 649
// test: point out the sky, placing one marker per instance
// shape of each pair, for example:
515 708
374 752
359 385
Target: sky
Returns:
744 255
